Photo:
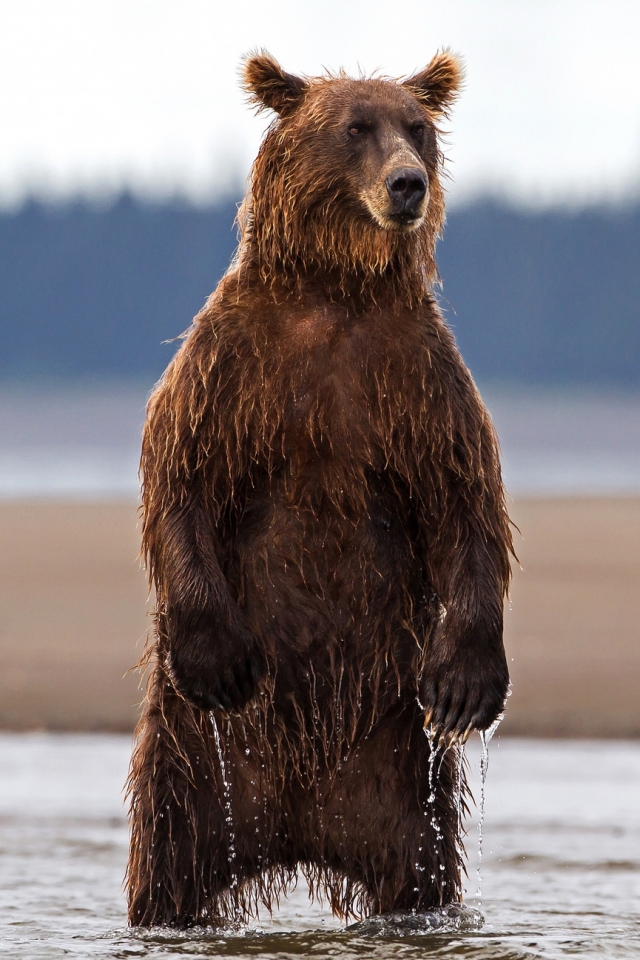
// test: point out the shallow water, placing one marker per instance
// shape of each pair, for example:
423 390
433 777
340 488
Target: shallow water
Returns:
561 863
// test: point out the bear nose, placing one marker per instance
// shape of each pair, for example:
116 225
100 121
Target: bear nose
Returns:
406 187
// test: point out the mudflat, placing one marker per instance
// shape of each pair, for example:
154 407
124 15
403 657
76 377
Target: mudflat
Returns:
573 630
74 615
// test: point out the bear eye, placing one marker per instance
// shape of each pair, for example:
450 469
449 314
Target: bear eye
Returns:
417 131
357 129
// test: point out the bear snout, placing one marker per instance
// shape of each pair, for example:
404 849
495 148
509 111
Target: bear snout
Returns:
407 188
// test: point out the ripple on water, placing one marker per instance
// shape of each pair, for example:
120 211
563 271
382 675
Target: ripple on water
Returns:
455 918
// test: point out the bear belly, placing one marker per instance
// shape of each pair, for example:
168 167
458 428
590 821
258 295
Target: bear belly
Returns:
335 592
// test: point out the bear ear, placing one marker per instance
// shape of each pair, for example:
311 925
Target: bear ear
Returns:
437 86
269 87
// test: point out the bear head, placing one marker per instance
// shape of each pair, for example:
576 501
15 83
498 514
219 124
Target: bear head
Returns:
347 182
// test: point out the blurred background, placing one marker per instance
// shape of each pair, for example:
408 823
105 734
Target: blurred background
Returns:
124 152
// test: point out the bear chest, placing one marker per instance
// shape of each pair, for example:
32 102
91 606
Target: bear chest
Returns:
329 409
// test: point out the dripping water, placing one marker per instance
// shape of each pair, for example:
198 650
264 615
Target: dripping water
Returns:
459 779
261 781
485 739
430 809
434 749
228 808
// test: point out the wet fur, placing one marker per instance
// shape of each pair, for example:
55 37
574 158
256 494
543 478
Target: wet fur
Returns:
325 529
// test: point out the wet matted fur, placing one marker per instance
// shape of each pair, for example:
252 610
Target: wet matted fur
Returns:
325 528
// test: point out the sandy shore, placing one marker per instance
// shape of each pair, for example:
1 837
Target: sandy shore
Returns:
74 615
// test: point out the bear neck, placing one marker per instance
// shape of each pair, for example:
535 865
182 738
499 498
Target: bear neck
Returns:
403 281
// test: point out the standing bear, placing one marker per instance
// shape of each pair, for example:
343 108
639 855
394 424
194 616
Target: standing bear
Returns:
324 525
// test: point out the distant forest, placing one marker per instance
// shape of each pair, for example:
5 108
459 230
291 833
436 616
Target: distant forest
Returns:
534 298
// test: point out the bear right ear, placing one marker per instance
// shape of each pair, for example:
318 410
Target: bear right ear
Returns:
269 87
439 83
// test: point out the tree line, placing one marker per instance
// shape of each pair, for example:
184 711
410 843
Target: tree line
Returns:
548 297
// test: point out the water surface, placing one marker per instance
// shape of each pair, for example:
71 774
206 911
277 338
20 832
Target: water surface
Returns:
561 864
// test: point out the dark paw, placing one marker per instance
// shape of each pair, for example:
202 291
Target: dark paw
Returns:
217 669
465 692
455 709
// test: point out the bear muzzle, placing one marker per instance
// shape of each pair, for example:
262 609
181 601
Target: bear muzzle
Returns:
398 203
407 189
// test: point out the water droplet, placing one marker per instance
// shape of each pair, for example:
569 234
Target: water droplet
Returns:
226 787
485 739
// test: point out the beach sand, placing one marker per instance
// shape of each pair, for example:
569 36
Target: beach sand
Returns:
74 616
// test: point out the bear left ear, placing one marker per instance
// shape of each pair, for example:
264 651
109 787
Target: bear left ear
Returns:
269 87
437 86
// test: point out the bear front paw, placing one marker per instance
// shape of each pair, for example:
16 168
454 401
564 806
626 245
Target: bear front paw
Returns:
217 669
465 690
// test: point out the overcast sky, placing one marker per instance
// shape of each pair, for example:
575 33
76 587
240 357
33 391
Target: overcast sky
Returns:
100 94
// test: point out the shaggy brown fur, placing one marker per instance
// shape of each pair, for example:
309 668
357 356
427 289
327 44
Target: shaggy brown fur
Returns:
325 528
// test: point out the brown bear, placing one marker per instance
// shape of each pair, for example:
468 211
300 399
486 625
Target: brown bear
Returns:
324 525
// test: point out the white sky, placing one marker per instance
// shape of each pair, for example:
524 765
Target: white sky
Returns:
100 94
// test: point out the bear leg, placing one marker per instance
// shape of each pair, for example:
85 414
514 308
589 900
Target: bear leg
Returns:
192 851
388 825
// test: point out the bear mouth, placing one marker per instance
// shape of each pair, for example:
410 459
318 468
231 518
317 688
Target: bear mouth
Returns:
396 221
401 222
406 219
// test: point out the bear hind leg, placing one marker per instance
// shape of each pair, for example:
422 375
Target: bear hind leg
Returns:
390 827
188 863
